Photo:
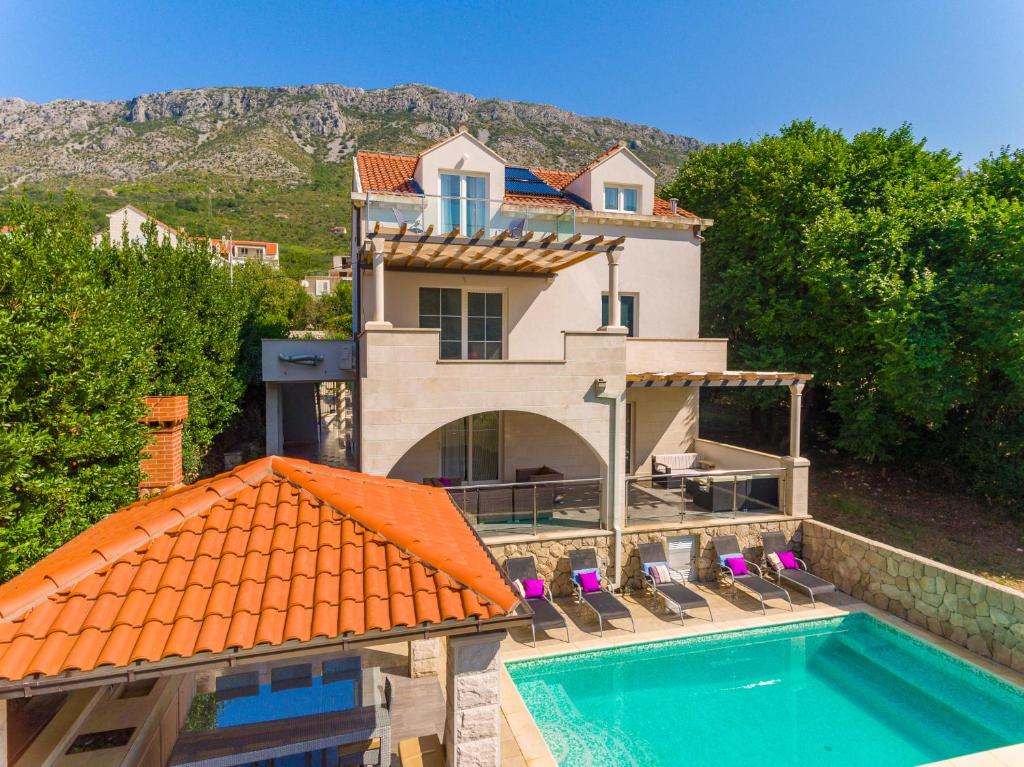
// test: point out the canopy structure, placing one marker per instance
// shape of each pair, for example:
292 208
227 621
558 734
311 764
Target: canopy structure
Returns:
279 554
526 254
722 378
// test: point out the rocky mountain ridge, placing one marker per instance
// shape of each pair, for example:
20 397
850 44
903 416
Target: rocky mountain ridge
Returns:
283 134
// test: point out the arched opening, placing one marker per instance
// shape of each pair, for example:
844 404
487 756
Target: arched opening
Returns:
511 469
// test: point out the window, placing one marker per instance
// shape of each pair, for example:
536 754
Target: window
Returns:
463 202
470 448
442 308
471 322
621 198
627 312
323 287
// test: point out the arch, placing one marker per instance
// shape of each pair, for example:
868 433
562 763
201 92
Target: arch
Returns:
528 439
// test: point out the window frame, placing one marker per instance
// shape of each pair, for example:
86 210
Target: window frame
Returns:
467 426
464 319
462 197
619 197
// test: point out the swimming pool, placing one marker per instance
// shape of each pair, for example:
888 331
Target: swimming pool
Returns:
844 692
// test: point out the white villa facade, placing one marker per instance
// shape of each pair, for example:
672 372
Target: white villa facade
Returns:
511 320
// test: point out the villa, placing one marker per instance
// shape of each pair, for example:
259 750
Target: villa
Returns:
489 531
128 221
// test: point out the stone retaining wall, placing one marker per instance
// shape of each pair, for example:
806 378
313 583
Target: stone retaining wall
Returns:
553 555
973 612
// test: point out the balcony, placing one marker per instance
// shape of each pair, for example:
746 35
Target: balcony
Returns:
443 215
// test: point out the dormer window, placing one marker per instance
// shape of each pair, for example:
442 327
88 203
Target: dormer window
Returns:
621 198
463 202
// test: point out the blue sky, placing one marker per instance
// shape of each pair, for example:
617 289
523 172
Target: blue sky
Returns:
719 71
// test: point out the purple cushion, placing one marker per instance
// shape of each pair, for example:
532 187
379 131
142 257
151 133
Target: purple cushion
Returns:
533 588
589 582
788 559
737 565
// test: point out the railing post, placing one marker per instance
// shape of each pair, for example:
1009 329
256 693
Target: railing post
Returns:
735 484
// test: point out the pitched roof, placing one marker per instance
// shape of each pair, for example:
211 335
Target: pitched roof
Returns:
279 549
382 172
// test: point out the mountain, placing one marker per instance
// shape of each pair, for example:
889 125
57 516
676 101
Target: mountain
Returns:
275 163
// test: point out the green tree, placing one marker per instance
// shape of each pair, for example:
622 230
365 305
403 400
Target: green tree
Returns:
336 311
74 365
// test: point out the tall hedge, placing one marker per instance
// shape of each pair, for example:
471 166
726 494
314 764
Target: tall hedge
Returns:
86 331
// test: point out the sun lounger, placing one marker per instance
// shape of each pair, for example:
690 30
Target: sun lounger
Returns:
728 546
810 584
545 614
414 226
676 595
516 227
603 603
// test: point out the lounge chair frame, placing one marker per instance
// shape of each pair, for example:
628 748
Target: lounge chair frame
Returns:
729 546
646 552
520 568
586 559
773 543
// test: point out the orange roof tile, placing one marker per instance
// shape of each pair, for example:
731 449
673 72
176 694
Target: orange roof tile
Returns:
279 549
381 172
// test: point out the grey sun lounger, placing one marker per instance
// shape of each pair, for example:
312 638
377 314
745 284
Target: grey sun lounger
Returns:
605 605
753 583
808 583
545 614
676 595
413 226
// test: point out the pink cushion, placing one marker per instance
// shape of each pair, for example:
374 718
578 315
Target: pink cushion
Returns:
737 565
788 559
533 588
589 582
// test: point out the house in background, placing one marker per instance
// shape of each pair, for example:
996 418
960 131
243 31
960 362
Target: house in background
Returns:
129 220
520 324
319 284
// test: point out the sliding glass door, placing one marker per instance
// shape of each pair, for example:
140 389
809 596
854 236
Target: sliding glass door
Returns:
463 203
470 448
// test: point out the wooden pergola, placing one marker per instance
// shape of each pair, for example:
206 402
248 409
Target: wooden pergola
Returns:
526 254
722 378
734 378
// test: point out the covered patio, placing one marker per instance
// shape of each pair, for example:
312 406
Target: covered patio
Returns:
241 619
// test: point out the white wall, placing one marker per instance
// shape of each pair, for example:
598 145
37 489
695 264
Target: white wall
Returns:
664 421
462 154
134 221
618 170
661 266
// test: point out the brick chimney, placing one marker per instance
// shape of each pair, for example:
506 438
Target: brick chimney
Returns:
161 462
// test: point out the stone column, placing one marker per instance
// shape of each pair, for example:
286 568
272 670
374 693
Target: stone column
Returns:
424 655
796 392
797 472
472 724
275 437
378 322
614 306
3 734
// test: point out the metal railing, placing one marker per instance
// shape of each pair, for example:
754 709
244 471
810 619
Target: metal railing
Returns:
442 213
530 507
719 493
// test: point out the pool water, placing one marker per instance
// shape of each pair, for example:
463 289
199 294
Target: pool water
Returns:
267 705
842 692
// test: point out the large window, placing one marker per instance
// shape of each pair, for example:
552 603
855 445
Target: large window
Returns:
627 311
471 322
463 202
621 198
470 448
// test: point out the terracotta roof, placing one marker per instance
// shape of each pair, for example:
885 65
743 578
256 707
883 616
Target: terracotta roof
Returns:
387 172
381 172
279 549
270 246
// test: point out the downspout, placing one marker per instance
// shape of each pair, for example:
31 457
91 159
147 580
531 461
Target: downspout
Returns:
613 399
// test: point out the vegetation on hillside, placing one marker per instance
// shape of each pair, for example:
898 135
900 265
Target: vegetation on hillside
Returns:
895 278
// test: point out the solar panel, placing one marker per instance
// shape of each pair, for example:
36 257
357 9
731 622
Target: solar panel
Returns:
530 187
520 174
